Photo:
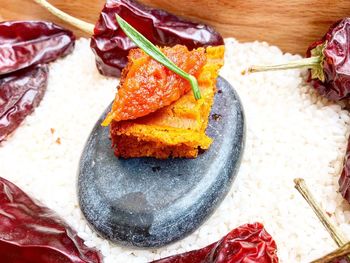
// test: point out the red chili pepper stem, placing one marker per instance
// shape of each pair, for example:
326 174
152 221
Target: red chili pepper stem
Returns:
314 63
308 63
302 188
82 25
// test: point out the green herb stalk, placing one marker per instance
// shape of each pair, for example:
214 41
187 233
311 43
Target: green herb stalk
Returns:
156 54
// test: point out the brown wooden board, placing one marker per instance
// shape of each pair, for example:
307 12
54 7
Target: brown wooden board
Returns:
290 24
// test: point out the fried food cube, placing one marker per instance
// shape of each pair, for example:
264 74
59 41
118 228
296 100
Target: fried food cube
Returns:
176 130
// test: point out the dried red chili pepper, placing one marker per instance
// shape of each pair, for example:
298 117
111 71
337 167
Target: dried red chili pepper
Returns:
341 260
20 93
331 77
26 43
111 46
245 244
344 180
328 61
32 233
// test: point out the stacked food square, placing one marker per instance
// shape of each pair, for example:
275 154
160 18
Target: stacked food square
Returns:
155 113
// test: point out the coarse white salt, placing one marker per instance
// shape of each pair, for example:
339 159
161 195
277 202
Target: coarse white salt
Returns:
290 132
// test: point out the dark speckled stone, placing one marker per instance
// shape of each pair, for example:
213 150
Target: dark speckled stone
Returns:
146 202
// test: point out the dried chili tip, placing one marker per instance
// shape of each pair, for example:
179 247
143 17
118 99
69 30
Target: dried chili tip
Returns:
328 61
30 232
246 243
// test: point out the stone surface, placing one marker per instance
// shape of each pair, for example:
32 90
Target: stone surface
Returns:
146 202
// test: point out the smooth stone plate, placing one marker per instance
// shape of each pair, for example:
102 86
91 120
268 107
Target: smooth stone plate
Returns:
145 202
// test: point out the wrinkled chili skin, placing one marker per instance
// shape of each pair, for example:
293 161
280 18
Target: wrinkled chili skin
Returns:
336 64
32 233
344 180
245 244
111 46
20 93
341 260
26 43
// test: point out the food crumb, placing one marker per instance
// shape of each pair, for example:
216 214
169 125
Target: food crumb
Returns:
58 140
52 130
156 169
200 151
216 117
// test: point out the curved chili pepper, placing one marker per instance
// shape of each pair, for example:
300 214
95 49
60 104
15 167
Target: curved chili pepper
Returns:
111 46
247 243
26 43
332 77
32 233
20 93
328 60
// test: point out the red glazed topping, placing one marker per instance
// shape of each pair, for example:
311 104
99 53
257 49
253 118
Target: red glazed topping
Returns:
146 85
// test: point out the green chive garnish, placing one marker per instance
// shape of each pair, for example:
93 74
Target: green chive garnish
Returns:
156 54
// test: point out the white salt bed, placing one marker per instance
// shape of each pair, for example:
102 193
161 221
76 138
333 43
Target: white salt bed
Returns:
291 132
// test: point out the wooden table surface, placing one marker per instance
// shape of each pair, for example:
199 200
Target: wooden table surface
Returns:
290 24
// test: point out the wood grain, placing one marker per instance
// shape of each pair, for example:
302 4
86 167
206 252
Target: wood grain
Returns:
290 24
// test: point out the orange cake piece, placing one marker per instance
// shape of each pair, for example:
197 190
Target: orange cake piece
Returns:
177 130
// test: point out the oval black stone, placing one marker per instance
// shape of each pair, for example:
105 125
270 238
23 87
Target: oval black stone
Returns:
146 202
